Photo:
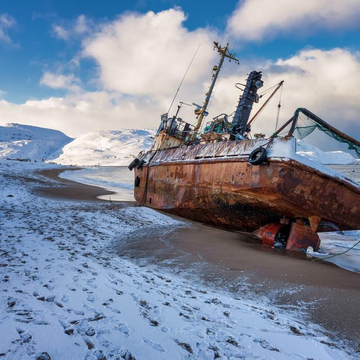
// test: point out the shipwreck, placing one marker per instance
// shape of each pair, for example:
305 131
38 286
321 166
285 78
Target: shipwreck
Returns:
224 177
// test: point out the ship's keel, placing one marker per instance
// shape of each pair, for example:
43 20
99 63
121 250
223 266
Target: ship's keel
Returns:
293 235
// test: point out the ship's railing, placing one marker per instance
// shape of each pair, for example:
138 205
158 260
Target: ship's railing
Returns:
314 122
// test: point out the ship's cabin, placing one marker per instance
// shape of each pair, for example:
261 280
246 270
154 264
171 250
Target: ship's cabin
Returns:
175 127
172 132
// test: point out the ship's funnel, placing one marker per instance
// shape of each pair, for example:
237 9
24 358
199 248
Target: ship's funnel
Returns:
246 102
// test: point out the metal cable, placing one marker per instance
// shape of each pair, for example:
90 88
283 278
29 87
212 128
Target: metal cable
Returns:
279 108
182 80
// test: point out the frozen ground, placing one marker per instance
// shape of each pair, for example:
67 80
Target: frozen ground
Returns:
65 295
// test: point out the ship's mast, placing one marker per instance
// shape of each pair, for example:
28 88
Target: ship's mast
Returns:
201 113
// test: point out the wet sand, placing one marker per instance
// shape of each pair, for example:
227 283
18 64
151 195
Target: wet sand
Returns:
70 190
327 295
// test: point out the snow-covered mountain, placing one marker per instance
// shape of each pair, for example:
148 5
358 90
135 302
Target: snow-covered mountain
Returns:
30 142
106 148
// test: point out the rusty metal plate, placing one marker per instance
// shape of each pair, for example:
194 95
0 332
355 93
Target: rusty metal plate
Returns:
236 195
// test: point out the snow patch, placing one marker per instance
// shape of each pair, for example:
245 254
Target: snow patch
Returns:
324 157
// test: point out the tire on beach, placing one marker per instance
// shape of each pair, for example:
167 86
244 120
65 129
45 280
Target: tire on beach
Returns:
140 164
258 156
133 164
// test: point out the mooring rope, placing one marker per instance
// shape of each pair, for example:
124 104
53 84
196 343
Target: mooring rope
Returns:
334 255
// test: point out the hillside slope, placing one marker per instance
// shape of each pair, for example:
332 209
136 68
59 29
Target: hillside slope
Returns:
30 142
105 148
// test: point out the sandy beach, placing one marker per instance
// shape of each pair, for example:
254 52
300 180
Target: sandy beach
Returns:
326 294
70 189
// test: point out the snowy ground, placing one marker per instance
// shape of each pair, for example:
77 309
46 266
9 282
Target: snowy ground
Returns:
65 295
341 248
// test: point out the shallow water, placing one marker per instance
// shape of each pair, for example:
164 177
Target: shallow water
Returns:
118 179
352 171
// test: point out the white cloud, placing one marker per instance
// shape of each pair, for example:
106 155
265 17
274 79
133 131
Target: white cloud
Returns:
81 25
148 54
82 113
6 22
60 32
60 81
76 28
258 19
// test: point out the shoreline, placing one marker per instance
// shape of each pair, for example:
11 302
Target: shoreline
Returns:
330 293
62 277
71 190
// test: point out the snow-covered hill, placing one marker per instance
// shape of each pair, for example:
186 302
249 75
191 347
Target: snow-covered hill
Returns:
324 157
30 142
106 148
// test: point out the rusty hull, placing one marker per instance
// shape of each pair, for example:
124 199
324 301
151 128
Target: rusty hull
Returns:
228 192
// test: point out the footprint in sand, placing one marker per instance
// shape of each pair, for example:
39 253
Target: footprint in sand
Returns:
90 331
154 345
114 310
124 328
24 335
63 323
91 283
91 298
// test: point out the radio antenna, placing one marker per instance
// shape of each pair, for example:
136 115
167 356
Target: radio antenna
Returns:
182 80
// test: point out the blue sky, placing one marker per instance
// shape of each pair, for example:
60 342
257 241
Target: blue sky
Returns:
35 48
86 65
